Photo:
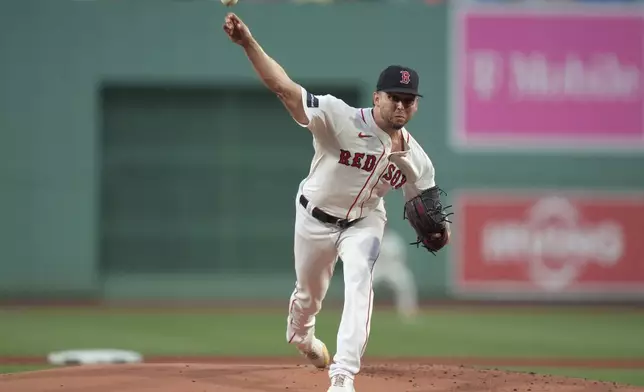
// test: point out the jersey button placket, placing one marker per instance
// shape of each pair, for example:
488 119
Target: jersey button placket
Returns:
380 171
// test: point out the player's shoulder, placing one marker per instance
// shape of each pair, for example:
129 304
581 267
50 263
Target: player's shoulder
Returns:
325 101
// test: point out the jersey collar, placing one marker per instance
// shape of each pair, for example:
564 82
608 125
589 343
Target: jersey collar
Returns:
367 116
371 122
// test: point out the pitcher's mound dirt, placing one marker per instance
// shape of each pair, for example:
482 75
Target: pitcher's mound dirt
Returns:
280 378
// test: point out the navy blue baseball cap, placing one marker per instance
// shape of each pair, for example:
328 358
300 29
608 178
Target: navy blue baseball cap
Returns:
398 79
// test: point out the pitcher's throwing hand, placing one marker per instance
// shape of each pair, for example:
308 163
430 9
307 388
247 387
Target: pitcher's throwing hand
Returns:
236 30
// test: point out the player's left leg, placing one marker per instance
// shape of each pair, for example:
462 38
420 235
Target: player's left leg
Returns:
358 248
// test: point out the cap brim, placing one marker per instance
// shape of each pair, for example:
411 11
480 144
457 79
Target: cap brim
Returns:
401 91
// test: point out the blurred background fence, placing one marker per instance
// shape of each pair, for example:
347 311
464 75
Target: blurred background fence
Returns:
141 158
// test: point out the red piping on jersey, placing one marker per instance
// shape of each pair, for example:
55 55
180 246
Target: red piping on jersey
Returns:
372 188
377 182
362 114
368 315
384 149
290 311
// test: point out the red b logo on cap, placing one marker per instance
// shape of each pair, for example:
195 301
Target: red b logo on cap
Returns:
405 77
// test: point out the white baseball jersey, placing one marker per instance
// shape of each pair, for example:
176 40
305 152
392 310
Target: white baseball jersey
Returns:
353 166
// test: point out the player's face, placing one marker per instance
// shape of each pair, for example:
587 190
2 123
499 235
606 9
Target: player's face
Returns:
396 109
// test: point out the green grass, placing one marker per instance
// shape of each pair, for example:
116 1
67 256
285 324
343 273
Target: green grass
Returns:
625 376
458 332
21 368
436 333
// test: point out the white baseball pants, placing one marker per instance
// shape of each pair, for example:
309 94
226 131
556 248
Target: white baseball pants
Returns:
317 247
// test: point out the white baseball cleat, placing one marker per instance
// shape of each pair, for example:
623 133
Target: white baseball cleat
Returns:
341 383
317 353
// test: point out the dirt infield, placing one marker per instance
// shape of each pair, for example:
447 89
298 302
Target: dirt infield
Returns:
250 376
595 363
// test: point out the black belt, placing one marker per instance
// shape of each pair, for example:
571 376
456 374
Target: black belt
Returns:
326 218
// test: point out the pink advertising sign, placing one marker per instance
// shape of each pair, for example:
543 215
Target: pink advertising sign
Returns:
552 79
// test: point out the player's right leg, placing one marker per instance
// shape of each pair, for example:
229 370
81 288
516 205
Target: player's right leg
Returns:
359 248
315 258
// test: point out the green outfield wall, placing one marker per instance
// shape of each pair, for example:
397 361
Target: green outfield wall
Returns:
140 156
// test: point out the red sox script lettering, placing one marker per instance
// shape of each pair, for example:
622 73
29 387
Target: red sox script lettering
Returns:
357 160
394 176
367 162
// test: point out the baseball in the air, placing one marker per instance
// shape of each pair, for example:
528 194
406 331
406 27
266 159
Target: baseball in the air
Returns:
228 3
